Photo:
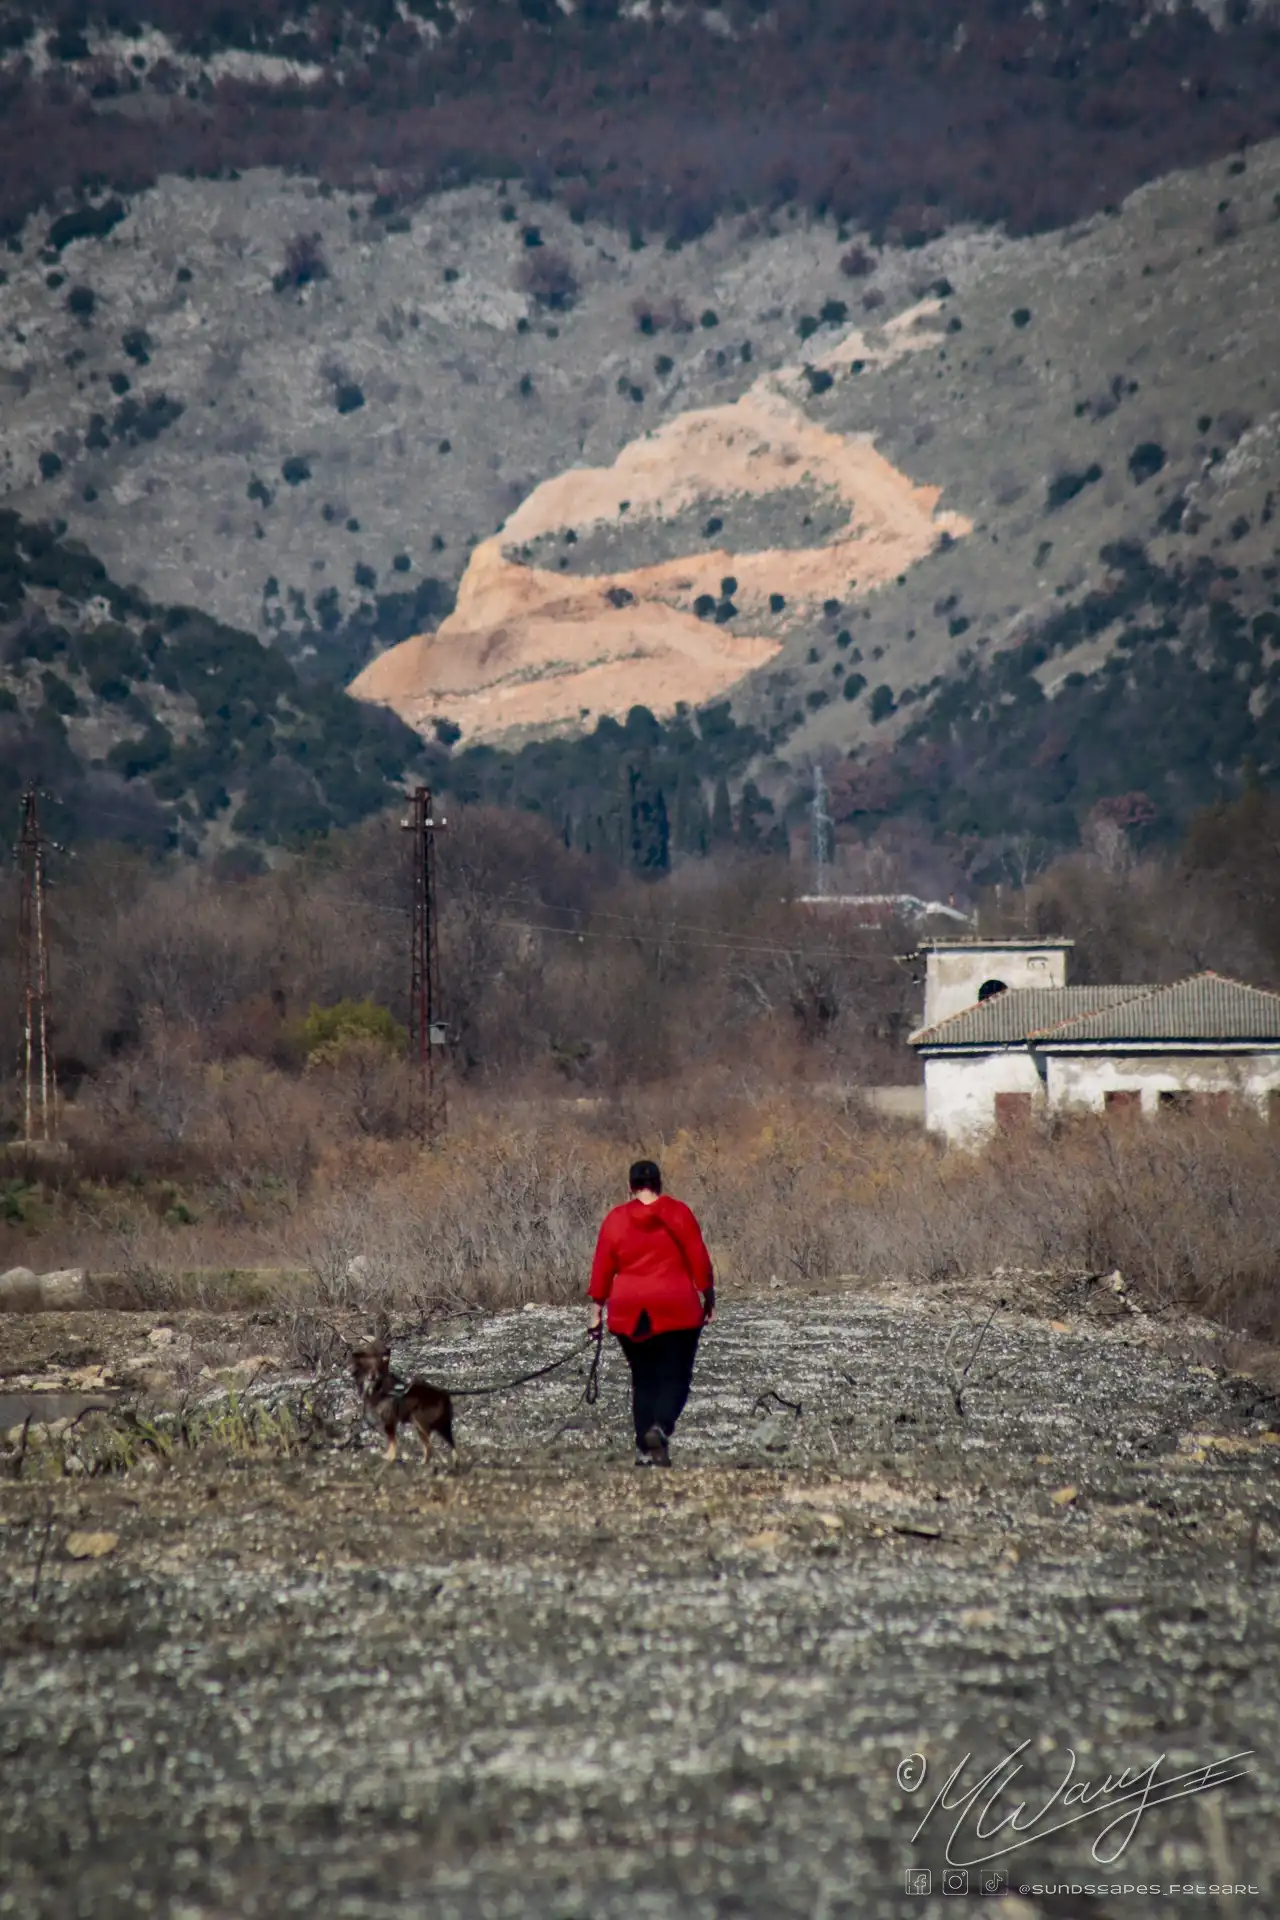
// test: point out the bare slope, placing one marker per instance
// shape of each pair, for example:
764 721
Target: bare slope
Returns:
527 646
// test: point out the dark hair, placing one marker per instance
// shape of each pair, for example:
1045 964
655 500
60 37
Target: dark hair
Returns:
645 1173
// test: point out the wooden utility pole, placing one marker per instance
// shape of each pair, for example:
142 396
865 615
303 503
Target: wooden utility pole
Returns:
36 1064
428 1108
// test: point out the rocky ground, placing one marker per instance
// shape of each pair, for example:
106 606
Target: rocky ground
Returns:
259 1679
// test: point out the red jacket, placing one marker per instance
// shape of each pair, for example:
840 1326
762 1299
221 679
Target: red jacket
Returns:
651 1258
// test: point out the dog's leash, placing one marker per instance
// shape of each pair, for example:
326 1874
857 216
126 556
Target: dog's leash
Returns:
539 1373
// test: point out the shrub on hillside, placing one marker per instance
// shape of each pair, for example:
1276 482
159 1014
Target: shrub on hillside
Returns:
1065 486
547 277
304 263
86 223
147 419
1146 460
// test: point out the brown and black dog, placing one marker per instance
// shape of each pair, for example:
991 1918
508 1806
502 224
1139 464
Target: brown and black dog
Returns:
389 1405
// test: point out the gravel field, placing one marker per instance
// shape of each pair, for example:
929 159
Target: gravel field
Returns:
543 1683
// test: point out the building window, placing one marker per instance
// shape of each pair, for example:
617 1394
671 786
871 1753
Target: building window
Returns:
990 988
1122 1100
1013 1110
1204 1105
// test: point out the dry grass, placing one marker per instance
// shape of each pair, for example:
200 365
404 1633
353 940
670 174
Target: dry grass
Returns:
789 1193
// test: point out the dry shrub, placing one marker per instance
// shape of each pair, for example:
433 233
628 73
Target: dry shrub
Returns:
504 1214
549 279
657 314
790 1190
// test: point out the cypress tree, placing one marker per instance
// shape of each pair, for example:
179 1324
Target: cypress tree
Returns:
649 848
692 830
721 815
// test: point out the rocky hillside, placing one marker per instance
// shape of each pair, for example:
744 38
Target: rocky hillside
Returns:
167 728
871 478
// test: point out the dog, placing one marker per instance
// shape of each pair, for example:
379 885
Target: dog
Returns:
389 1405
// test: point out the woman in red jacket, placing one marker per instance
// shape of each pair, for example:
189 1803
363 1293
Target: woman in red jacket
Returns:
654 1270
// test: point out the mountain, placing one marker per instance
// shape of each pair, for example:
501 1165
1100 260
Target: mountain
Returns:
947 454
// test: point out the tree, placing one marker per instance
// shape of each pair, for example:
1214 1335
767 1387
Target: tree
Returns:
721 815
649 837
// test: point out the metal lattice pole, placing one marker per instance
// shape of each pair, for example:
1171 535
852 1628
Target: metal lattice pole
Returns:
39 1076
428 1109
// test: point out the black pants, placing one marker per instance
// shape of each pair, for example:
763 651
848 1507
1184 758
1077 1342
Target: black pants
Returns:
661 1373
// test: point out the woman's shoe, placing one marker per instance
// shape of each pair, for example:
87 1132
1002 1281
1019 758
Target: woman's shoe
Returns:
655 1444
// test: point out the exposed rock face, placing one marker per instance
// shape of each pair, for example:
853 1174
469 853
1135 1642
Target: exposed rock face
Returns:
527 646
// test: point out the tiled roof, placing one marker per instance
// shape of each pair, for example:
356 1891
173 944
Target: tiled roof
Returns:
1008 1018
1205 1007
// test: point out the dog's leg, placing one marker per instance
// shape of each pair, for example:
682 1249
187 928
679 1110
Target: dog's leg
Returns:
390 1453
424 1434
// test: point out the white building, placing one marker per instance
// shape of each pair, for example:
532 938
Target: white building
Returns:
998 1046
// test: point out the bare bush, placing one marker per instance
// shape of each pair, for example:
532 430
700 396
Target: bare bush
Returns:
654 314
857 263
546 275
304 263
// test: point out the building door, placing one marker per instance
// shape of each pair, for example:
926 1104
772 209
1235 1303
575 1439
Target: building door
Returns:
1013 1110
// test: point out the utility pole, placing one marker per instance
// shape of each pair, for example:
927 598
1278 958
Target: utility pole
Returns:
39 1079
428 1112
821 836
